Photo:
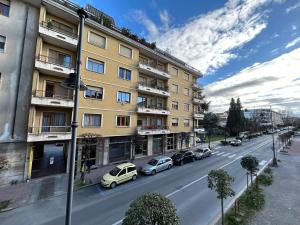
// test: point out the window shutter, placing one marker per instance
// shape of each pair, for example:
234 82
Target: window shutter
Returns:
127 52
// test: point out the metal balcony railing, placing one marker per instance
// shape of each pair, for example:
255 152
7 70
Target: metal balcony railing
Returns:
55 61
49 129
166 88
154 127
51 95
57 29
152 107
153 65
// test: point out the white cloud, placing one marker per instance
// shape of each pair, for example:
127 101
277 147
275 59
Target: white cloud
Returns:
293 7
293 43
210 41
294 27
142 18
275 82
165 19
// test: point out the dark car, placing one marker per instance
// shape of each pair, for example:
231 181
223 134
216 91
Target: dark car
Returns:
183 157
236 142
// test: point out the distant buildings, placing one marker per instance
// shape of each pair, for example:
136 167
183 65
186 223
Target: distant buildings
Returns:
222 118
264 116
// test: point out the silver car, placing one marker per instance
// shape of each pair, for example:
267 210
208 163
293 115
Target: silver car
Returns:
157 164
202 153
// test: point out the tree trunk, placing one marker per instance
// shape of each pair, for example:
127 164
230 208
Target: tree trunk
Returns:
222 211
209 141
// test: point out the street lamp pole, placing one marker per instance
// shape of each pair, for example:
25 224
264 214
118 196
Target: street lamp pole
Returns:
82 16
273 145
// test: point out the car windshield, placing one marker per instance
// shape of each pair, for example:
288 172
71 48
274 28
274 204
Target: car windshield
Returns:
152 162
200 150
114 171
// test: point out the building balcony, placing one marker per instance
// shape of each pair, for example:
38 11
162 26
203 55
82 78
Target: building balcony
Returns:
198 101
198 115
152 71
153 90
58 36
45 98
197 86
153 110
53 66
49 133
153 130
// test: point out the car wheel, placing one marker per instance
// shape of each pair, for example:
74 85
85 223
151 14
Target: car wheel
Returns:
169 166
113 185
133 177
153 172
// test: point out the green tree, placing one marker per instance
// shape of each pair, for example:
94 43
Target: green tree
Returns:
250 163
236 119
151 209
221 181
210 122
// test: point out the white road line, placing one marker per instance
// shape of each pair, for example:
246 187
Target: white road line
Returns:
226 154
231 156
263 162
215 152
221 153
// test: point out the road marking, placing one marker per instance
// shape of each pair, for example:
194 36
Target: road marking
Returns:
231 156
215 152
263 162
226 154
221 153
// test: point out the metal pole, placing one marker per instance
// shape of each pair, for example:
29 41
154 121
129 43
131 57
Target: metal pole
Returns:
82 15
273 144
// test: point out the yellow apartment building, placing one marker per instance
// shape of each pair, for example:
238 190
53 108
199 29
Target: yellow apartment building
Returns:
140 100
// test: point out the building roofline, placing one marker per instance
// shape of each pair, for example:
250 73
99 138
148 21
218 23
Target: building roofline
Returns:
71 8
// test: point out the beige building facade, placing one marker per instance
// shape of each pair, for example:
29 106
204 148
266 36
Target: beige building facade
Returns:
140 100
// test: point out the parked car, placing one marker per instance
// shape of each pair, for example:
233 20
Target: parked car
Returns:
297 133
182 157
121 173
157 164
236 142
202 153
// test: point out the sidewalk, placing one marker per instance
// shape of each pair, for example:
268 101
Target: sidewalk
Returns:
282 197
47 187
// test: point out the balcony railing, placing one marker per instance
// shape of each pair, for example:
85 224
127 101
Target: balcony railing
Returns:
50 26
153 65
55 61
155 107
49 129
51 95
166 88
153 127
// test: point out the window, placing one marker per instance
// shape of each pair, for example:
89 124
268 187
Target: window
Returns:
92 120
94 92
124 97
174 71
97 40
4 7
175 105
175 88
124 74
186 76
2 43
123 121
125 51
186 91
59 58
186 122
95 66
123 172
175 122
131 169
186 107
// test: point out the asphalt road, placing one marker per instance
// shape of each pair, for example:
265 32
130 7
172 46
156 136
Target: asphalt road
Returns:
186 186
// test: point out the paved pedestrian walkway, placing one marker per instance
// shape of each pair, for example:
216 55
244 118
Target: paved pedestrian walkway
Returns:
43 188
282 197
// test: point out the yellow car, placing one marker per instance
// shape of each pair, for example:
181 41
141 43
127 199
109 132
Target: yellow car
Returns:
121 173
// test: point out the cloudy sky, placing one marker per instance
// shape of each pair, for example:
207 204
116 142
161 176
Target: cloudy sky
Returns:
244 48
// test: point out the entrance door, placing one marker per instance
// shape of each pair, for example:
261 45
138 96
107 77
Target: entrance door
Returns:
49 92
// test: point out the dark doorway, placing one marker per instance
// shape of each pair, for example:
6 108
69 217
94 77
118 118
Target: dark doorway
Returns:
48 159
